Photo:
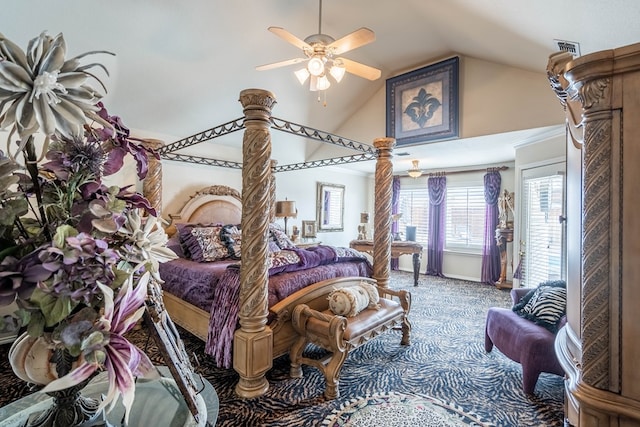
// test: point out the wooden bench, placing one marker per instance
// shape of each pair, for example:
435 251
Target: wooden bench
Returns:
339 335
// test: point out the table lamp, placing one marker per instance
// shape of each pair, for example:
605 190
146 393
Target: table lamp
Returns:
286 209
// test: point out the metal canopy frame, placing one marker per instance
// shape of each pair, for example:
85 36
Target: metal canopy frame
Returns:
367 152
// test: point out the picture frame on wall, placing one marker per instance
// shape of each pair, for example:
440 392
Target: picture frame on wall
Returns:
422 105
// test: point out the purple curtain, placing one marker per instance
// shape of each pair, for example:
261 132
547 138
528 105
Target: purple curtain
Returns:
435 247
490 250
395 228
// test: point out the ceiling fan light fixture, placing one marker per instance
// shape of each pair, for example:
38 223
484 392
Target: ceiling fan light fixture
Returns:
337 72
315 66
313 84
323 83
302 75
415 171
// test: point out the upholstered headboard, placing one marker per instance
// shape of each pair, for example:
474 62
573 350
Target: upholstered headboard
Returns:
211 205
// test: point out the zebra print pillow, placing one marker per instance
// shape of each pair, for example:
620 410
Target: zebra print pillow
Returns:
545 306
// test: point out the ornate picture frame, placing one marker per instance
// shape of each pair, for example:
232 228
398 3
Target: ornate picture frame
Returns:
330 207
309 229
422 105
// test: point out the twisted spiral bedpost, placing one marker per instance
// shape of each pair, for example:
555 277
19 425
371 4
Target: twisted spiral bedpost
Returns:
382 207
152 183
253 342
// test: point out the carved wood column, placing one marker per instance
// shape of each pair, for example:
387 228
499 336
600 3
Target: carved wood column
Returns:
599 347
253 342
152 183
382 206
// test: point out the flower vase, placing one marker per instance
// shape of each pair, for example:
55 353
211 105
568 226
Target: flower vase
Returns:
33 361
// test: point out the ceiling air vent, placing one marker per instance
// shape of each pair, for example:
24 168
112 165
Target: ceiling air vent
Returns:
567 46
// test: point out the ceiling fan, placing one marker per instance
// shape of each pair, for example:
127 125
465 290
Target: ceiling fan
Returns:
322 58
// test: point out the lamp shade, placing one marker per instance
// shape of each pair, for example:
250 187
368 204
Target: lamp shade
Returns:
337 72
286 209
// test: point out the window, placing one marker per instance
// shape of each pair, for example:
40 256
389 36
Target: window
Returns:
465 218
542 234
413 204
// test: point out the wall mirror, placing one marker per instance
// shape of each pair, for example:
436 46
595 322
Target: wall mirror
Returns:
330 207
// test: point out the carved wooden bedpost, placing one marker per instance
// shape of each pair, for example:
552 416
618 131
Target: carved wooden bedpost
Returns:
272 192
152 183
253 342
382 207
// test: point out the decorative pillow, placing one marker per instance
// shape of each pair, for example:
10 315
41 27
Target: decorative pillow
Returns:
280 237
352 300
372 291
272 247
174 244
544 305
231 236
202 242
282 258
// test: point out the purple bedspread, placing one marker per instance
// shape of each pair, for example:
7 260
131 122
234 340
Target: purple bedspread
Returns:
215 287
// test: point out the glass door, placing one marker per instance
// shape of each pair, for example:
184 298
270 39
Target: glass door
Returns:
542 237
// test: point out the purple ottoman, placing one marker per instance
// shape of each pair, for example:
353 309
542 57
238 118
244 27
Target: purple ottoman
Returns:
522 341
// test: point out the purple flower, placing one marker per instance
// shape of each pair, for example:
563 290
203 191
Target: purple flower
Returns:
19 277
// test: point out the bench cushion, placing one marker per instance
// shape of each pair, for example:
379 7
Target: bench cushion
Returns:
365 321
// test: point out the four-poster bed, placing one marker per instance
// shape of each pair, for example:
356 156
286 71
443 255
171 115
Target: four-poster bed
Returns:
259 337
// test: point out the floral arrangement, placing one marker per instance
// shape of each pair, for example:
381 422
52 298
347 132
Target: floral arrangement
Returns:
76 255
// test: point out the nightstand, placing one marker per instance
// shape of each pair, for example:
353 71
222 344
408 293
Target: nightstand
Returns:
305 245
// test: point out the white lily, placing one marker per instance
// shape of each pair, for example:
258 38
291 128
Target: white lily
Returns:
39 90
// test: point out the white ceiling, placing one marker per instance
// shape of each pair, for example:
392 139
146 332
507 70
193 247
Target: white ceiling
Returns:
179 66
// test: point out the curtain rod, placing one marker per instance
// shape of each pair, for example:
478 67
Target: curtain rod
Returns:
445 173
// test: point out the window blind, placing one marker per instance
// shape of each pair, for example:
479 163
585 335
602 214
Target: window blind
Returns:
413 204
465 218
543 205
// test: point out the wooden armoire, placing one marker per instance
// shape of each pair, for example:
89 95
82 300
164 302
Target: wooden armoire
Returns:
599 348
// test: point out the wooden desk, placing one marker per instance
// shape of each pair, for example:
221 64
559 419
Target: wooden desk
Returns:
398 248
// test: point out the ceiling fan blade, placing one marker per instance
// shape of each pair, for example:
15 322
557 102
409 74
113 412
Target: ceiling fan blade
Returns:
359 37
361 70
280 64
287 36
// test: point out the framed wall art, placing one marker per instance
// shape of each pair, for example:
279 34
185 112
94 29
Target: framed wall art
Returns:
309 229
330 207
422 105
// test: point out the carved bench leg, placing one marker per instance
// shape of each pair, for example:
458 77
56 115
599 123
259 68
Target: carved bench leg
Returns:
406 332
332 374
295 354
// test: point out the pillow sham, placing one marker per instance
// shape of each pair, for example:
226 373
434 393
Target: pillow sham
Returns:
544 305
280 237
202 243
231 236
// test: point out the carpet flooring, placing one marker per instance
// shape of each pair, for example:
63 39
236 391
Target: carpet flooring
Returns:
446 362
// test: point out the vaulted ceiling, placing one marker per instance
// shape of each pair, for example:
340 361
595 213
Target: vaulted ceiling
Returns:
179 66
